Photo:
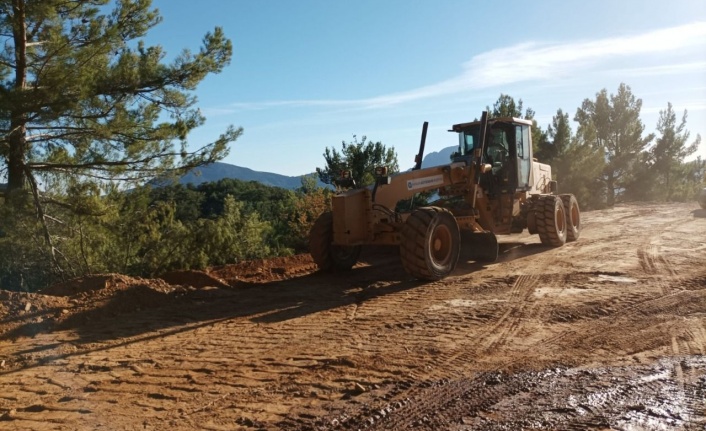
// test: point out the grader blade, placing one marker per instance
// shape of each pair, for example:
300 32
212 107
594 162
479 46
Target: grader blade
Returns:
480 246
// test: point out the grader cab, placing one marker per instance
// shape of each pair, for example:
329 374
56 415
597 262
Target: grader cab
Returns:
492 186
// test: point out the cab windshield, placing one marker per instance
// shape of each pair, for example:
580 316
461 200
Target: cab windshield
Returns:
497 146
507 151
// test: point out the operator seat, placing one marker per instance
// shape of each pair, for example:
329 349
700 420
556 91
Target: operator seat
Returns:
498 156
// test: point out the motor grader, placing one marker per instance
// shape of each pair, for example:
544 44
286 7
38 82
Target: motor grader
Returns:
492 186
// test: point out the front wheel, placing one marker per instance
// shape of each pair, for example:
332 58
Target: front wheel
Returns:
326 255
431 243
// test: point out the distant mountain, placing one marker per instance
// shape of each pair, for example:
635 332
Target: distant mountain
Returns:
437 158
217 171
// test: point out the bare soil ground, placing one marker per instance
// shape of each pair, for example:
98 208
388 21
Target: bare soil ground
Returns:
608 332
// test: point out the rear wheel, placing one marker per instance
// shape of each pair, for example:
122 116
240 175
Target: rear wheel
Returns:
326 255
550 220
431 243
573 217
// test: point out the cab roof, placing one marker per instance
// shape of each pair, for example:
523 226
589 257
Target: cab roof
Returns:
462 126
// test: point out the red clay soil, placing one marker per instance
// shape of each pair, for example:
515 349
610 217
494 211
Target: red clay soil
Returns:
265 270
605 333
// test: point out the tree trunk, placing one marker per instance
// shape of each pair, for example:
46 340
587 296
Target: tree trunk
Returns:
669 188
610 192
16 176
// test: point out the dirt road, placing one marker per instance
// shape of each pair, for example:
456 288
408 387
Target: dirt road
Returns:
608 332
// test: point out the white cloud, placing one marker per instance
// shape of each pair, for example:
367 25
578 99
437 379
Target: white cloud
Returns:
532 61
670 69
689 105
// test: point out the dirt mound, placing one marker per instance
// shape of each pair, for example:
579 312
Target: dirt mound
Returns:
197 279
95 287
265 270
255 271
127 298
92 283
30 310
26 314
116 293
92 297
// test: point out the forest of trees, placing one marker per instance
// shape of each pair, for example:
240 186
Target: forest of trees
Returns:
89 116
150 230
610 158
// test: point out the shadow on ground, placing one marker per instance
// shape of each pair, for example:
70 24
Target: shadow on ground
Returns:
701 213
141 312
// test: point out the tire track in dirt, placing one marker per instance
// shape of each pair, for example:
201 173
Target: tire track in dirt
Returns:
171 348
448 379
493 333
509 323
626 398
171 351
693 384
260 343
654 262
647 320
506 326
595 408
658 270
382 319
413 401
500 330
654 258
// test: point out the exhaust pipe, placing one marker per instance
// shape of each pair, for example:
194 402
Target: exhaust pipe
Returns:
420 155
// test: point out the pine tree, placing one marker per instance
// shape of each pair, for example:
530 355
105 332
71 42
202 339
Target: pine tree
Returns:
86 105
558 137
613 124
576 165
671 149
506 106
360 158
81 94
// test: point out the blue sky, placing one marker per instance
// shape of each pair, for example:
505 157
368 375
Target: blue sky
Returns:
309 74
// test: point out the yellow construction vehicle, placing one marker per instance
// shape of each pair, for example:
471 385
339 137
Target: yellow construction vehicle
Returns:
492 186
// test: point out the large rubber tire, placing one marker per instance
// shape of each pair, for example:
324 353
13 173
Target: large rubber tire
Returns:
550 219
326 255
431 243
573 217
